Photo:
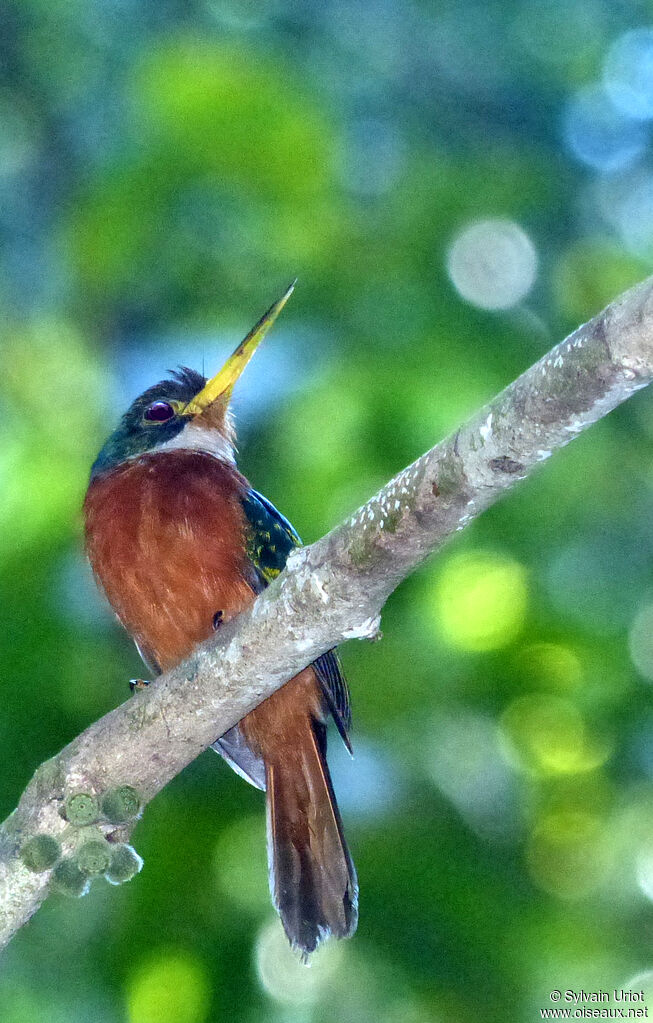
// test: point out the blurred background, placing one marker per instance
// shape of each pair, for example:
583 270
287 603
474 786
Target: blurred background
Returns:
457 185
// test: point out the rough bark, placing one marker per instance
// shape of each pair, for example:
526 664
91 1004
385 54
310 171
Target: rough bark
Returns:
333 590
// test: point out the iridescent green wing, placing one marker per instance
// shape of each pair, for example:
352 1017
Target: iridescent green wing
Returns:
270 540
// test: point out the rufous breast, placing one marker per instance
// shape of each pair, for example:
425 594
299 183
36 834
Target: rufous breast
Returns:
166 537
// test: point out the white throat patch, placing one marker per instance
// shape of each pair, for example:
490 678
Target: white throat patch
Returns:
194 437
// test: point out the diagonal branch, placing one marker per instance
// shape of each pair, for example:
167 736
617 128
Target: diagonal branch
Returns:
333 590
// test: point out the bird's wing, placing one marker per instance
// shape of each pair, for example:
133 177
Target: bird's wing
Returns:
236 752
271 539
335 688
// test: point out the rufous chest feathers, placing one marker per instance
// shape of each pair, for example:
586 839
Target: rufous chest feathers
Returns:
166 537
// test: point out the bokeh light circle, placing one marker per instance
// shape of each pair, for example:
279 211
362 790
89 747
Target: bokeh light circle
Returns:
598 134
492 263
282 973
240 864
18 136
172 986
462 757
481 600
568 855
641 982
628 73
640 641
546 735
551 664
644 872
537 27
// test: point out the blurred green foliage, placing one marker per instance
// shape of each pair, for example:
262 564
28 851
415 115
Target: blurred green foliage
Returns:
165 170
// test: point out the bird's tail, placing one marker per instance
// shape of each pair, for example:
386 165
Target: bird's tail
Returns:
312 877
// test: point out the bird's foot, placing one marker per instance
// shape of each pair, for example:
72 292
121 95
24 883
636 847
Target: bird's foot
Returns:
136 684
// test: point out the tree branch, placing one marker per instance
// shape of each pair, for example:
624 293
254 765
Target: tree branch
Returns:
333 590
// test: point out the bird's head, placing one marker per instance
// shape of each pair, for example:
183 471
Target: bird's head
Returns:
187 411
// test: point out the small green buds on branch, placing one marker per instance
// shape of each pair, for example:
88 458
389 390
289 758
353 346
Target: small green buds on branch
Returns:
125 864
118 806
81 809
68 879
94 856
40 852
121 804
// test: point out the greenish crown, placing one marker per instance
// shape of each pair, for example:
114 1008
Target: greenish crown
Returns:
135 434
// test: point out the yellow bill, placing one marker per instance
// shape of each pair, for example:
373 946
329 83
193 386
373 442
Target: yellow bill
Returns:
223 382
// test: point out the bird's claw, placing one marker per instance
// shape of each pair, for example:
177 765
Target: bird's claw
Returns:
136 684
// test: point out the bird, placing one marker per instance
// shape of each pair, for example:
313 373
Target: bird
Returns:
180 542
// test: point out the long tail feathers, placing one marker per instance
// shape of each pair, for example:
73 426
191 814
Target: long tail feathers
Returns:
312 877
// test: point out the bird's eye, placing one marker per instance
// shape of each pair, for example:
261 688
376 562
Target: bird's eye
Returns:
159 412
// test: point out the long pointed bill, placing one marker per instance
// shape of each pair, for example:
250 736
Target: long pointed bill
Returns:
222 383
